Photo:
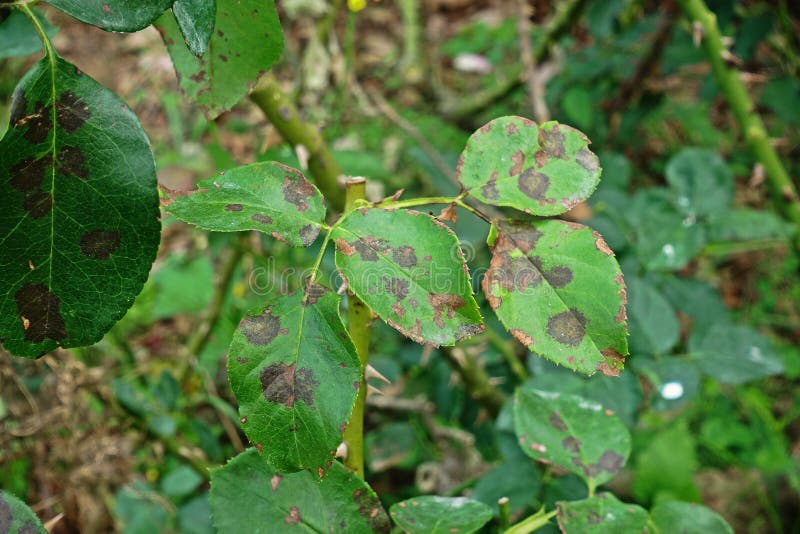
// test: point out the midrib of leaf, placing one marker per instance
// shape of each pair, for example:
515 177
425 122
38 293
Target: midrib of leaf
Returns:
401 269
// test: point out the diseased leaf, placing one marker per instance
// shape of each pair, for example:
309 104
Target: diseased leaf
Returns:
687 518
269 197
15 516
603 513
249 495
701 180
431 514
196 21
247 40
295 373
542 170
571 432
114 15
18 37
558 289
409 268
79 227
735 354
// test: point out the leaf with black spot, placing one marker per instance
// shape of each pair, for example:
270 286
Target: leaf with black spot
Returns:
114 15
295 373
604 513
432 514
196 21
540 169
249 492
79 228
269 197
16 517
247 40
558 289
571 432
410 270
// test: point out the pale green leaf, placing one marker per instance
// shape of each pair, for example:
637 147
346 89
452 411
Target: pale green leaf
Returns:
431 514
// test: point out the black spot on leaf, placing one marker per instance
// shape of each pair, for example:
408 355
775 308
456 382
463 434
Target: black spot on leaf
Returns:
489 189
571 444
40 311
260 329
395 286
552 142
444 304
19 106
261 218
5 516
308 234
296 189
234 207
568 328
71 112
611 461
369 507
558 276
39 125
285 384
313 293
556 422
28 174
71 162
533 183
38 204
404 256
100 244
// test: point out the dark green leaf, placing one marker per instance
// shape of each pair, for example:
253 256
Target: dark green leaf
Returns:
409 268
735 354
295 373
15 516
248 495
664 467
247 40
194 517
432 514
558 289
79 227
543 170
571 432
654 325
518 479
687 518
746 225
702 181
268 197
196 21
601 514
18 36
180 482
114 15
697 299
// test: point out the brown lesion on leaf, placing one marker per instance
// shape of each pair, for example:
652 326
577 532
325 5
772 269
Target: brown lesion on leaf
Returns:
449 214
100 244
610 461
568 327
234 207
71 162
613 362
260 329
601 244
344 247
534 184
42 309
489 189
558 276
622 314
522 336
552 141
556 422
293 518
415 332
260 218
518 160
296 189
511 129
40 124
444 304
398 309
308 234
404 256
37 205
106 8
27 175
587 159
275 481
571 444
395 286
71 111
313 293
285 384
370 508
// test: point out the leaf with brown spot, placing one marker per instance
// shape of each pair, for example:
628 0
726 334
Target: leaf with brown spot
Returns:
114 15
605 513
16 517
558 293
432 514
291 366
248 491
254 197
80 203
571 432
408 267
540 169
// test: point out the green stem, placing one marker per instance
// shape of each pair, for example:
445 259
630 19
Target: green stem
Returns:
413 202
48 45
282 113
358 322
531 523
508 353
782 188
476 381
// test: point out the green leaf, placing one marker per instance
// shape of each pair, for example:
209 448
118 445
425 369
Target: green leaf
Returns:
80 225
295 373
114 15
249 495
687 518
15 516
196 21
517 478
571 432
654 325
702 181
665 467
558 289
432 514
603 513
735 354
269 197
247 40
180 482
18 37
409 268
748 225
542 170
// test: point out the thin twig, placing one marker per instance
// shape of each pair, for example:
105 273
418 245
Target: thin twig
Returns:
532 81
